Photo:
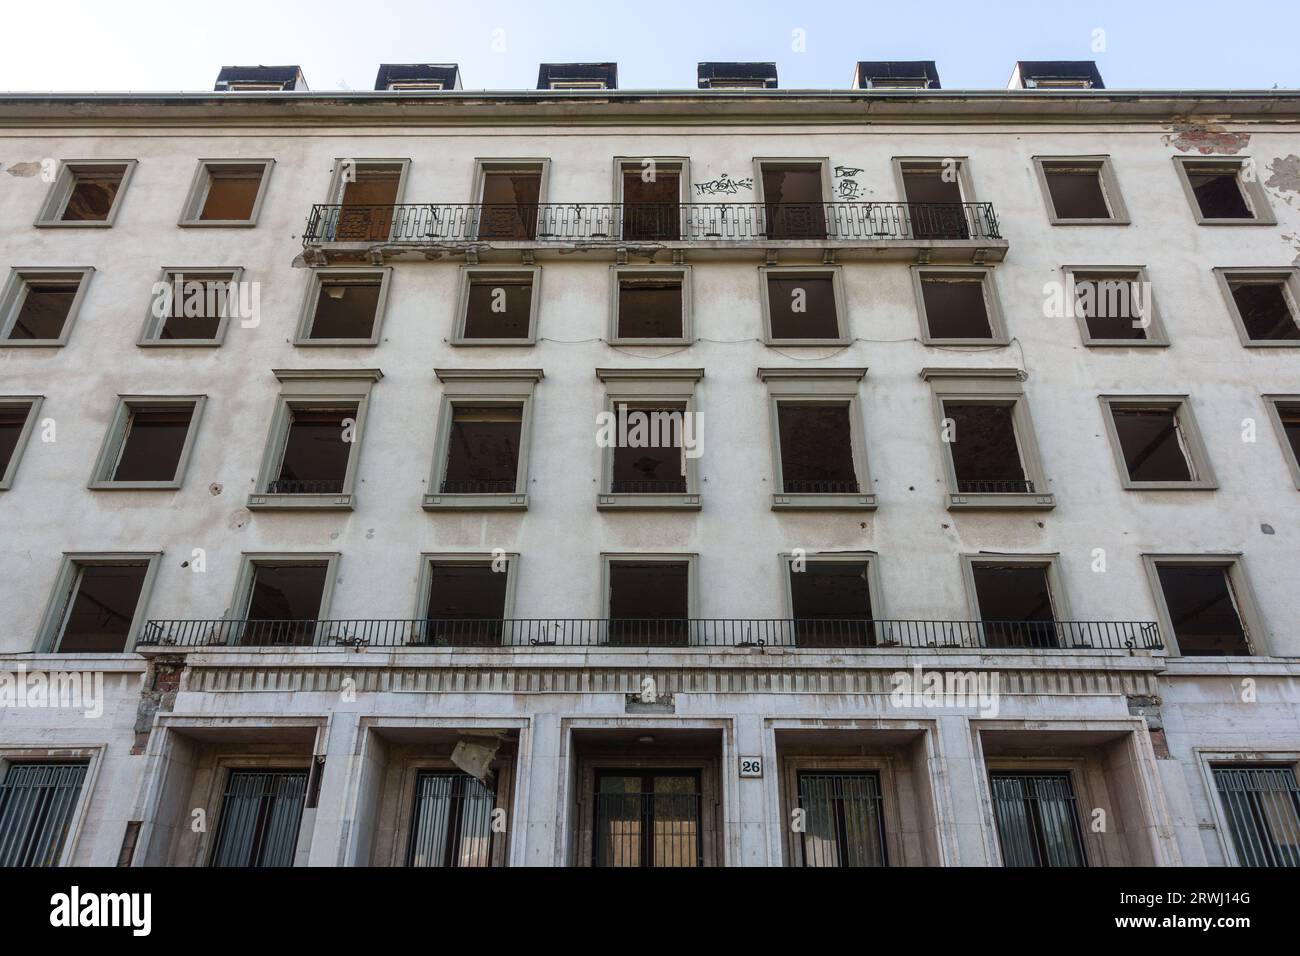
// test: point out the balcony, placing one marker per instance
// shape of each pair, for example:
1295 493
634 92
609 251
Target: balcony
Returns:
690 633
927 232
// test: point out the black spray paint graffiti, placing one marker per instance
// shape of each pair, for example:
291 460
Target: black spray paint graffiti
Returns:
846 187
724 185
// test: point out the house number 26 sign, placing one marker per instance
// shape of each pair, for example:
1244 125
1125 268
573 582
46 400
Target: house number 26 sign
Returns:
751 766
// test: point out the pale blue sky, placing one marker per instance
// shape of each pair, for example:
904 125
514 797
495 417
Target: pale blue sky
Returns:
178 45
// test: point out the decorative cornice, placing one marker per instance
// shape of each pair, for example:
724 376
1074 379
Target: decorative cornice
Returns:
488 374
770 374
655 374
929 374
327 374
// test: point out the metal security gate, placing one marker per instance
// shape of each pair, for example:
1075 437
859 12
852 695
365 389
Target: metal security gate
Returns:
649 819
260 815
451 821
37 801
1038 821
1262 805
842 820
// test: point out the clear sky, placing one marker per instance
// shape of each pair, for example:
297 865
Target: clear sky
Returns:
179 45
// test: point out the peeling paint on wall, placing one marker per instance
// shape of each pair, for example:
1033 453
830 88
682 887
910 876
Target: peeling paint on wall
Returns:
24 169
1285 174
1204 135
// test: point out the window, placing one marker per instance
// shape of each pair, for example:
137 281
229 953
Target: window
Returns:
1205 602
226 192
148 442
793 193
1081 190
498 306
991 456
934 190
843 818
261 812
897 83
1015 601
1224 191
1261 805
818 446
481 457
97 603
830 599
649 599
1156 443
958 306
38 802
17 419
651 439
803 306
466 599
38 306
651 193
1263 305
1113 305
651 305
648 818
86 193
509 194
577 85
367 192
451 821
1037 819
343 307
194 306
311 459
281 599
1284 410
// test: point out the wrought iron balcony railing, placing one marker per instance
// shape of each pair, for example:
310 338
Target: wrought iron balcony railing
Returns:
478 486
994 486
835 634
809 486
305 486
420 224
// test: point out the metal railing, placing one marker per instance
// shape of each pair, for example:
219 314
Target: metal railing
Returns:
431 223
834 634
808 486
644 486
478 486
994 486
305 486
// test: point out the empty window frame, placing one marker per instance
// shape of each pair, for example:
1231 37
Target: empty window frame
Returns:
1114 306
465 600
991 458
830 599
794 195
39 801
1284 410
1260 805
649 599
803 305
650 439
261 813
1206 605
1263 304
281 599
366 193
343 307
498 306
648 818
86 193
1037 818
39 305
194 306
226 192
958 305
148 442
480 460
97 606
1018 601
818 446
844 819
1081 191
510 193
934 190
1224 191
650 305
451 820
651 191
1156 443
311 452
18 414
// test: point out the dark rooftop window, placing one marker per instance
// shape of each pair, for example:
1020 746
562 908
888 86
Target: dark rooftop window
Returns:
1056 74
577 76
269 78
895 75
736 76
418 76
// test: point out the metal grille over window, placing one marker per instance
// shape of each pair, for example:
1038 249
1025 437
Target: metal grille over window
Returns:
1262 805
260 814
451 822
1038 821
37 802
842 820
650 819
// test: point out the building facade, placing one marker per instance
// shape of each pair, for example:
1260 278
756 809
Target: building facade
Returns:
724 477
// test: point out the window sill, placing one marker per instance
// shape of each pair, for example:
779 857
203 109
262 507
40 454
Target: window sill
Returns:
806 343
71 225
823 502
335 343
1171 486
1091 222
134 486
484 502
32 343
179 343
1126 343
1237 222
647 502
1009 501
267 502
216 223
497 343
652 343
1270 343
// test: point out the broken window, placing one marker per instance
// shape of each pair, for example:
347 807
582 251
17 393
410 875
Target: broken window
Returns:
346 307
1265 309
1218 190
650 306
1153 443
802 306
651 460
37 804
227 192
92 192
1203 609
149 444
934 200
955 305
1077 190
317 447
1113 306
1261 804
100 607
985 453
793 200
1015 605
844 821
466 602
647 818
652 197
451 821
483 449
40 306
368 197
1037 819
1288 414
649 603
261 812
830 602
13 424
499 307
816 443
509 202
285 600
195 306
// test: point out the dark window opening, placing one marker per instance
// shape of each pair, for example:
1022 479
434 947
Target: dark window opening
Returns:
93 192
37 804
13 419
346 309
1262 806
466 603
1077 191
1112 306
510 204
197 307
232 193
368 203
101 607
955 307
652 210
647 818
985 453
802 307
284 603
1218 192
650 308
483 449
793 202
1037 819
816 449
46 304
1288 414
316 451
261 812
1265 310
152 443
831 604
844 822
451 821
1153 444
649 603
652 460
499 308
1015 605
934 201
1203 610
